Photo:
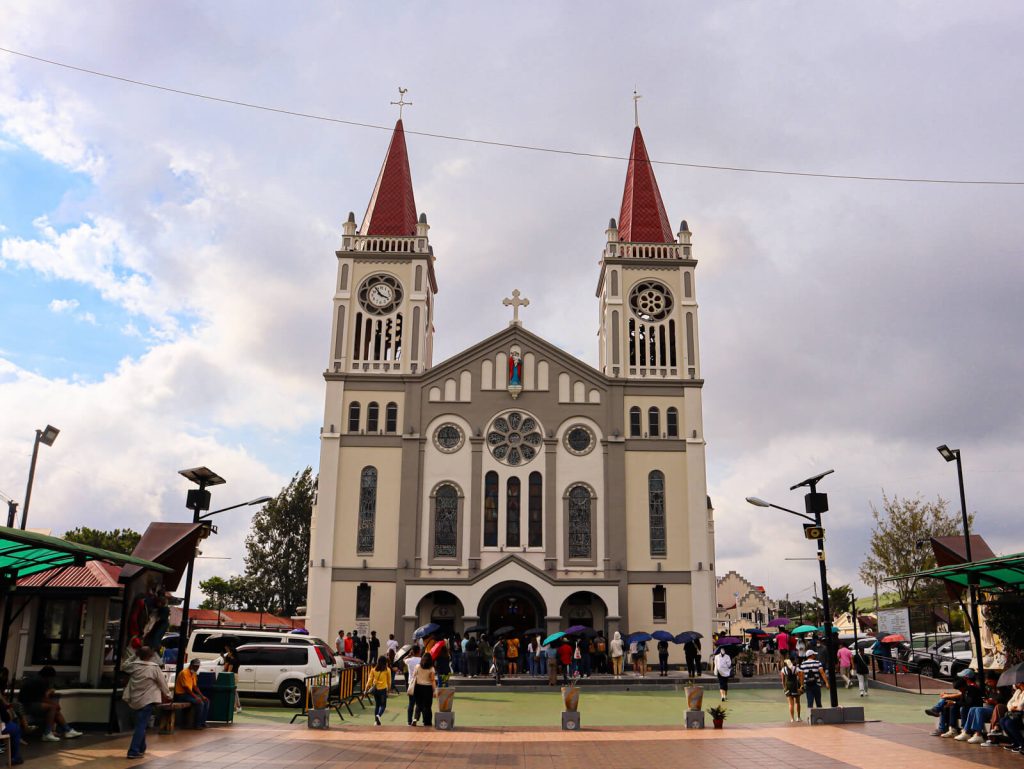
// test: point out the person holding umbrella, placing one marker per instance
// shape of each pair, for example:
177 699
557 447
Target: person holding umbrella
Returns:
691 650
721 663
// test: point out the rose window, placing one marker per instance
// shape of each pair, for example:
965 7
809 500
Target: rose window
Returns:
514 438
650 300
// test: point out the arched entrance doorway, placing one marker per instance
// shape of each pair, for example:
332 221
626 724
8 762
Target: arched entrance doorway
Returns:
443 608
512 604
585 608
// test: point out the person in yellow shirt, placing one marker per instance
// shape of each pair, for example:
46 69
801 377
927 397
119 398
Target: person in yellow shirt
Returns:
380 684
186 689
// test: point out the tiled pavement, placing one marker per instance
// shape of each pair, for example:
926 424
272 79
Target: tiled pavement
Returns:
868 746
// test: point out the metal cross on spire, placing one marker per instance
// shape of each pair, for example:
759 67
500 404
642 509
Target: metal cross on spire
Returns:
515 303
636 111
401 101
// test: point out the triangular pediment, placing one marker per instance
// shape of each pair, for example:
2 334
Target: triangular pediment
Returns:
527 342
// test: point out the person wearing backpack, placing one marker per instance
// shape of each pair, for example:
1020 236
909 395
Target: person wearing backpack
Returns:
793 686
600 653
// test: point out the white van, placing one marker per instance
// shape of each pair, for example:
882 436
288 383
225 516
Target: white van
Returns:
208 643
276 669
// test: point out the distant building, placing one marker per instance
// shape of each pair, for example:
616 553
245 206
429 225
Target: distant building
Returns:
742 604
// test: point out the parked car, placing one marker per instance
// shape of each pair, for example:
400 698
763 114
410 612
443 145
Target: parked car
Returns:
955 656
208 643
277 669
937 660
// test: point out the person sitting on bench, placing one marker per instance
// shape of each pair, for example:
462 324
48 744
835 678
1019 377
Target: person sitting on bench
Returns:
43 704
186 689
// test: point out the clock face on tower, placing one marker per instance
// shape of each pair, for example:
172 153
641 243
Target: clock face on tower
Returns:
380 294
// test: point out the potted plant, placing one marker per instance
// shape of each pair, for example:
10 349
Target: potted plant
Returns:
445 695
717 716
747 663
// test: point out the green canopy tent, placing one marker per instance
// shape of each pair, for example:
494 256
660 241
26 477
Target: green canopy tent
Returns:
25 552
995 575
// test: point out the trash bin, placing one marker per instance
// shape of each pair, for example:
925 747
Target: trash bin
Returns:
221 693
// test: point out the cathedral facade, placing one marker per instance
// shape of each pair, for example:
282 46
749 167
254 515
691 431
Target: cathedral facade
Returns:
512 484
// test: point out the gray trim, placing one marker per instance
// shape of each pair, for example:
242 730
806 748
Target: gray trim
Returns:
476 509
550 502
433 560
370 382
655 444
388 440
589 580
355 574
665 264
659 577
653 387
566 560
615 505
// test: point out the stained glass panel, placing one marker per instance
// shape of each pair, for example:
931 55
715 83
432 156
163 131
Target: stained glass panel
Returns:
446 522
656 511
512 504
367 510
491 509
580 545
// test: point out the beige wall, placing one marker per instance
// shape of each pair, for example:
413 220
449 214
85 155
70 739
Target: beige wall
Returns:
679 603
638 545
388 462
382 609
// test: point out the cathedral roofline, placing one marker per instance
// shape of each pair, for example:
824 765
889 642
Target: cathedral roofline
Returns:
392 208
642 217
498 566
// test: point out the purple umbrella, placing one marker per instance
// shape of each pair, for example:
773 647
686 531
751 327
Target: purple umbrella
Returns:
728 641
779 622
575 629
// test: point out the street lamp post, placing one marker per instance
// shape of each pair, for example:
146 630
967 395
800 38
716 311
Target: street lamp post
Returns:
951 455
45 436
816 504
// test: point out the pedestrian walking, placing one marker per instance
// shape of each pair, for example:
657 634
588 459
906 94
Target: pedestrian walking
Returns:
412 663
793 686
146 689
845 657
861 668
424 686
565 660
616 651
600 653
484 653
374 650
814 678
498 660
380 684
691 650
722 665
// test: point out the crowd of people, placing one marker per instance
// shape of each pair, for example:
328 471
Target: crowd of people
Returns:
981 713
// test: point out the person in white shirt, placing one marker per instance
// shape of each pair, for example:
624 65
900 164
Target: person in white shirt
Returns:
411 663
339 643
616 651
392 645
722 664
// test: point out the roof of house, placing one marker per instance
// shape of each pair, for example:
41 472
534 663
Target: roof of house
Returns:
642 217
93 575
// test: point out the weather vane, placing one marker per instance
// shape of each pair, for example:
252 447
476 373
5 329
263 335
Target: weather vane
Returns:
636 112
401 101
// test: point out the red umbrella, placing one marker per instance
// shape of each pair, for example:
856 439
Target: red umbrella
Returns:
895 638
435 650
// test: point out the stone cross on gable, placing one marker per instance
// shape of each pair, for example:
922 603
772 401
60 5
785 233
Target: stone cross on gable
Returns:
515 303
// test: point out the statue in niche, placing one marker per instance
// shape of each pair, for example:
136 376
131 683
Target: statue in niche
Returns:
515 373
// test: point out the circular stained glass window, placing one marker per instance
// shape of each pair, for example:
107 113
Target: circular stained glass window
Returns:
579 440
650 300
449 438
514 438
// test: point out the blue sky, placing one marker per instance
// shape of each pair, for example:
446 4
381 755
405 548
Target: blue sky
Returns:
854 325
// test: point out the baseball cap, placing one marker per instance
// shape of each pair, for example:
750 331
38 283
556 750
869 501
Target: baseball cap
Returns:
966 673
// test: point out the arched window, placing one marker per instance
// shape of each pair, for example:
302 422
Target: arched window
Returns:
513 500
367 510
536 513
634 422
491 509
672 422
353 417
391 418
372 417
362 601
580 539
653 422
656 511
446 522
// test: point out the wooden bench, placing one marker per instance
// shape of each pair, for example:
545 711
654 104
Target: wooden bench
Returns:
168 715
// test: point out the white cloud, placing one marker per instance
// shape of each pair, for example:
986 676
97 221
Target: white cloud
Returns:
63 305
87 317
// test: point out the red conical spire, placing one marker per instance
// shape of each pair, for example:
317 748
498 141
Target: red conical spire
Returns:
642 218
392 209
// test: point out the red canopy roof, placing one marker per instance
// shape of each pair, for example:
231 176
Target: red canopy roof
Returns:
392 209
642 218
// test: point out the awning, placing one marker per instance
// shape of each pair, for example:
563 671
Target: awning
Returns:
26 552
173 544
1002 573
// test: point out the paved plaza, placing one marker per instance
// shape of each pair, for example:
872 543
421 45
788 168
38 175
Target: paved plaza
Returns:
869 746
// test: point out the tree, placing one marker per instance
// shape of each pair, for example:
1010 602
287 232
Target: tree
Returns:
840 599
794 610
893 549
117 540
277 549
1005 617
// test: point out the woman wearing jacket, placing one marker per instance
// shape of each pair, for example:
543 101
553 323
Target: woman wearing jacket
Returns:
146 689
616 651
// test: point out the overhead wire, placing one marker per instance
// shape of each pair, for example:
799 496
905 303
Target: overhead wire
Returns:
506 145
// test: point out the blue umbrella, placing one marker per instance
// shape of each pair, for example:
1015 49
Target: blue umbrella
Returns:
638 637
688 636
421 632
553 637
755 631
663 635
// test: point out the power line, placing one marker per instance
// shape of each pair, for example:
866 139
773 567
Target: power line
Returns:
507 145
